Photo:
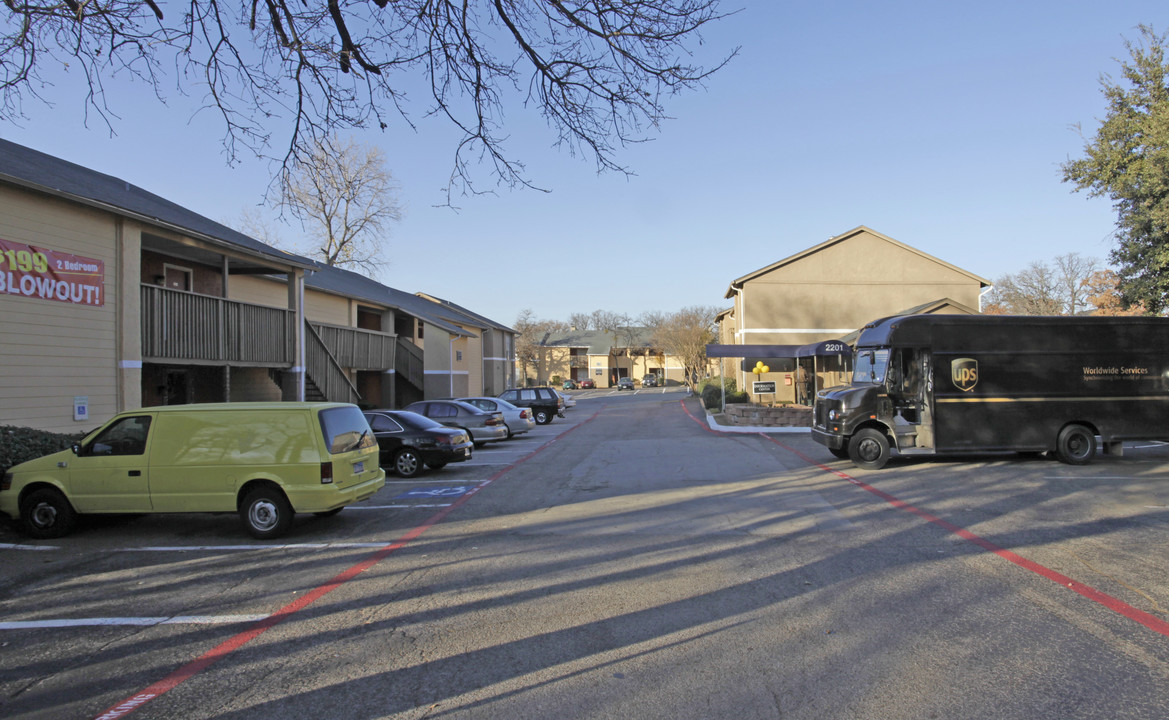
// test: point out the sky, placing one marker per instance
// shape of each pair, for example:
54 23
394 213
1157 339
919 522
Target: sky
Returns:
941 125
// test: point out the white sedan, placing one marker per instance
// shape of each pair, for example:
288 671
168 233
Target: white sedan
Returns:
519 420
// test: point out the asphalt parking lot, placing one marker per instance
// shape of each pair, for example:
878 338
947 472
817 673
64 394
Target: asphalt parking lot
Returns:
625 561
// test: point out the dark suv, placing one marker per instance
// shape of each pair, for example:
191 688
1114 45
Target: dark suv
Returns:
545 402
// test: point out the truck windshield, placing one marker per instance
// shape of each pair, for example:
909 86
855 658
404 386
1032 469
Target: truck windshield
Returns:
869 365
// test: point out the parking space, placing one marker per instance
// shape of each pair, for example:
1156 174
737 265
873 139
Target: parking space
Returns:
497 569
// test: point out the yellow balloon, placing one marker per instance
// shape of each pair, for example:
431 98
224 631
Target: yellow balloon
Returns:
766 368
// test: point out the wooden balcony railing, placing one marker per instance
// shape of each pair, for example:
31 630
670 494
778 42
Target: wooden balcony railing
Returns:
202 328
180 326
358 349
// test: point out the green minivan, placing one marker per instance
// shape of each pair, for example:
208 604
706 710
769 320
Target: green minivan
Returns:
265 461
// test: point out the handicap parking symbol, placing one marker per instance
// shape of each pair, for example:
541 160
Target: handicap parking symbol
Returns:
432 493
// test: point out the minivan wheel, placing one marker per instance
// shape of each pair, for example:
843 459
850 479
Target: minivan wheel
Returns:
265 513
1076 445
869 449
46 513
407 463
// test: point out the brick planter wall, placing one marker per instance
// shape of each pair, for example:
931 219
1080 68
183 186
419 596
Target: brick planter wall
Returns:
761 416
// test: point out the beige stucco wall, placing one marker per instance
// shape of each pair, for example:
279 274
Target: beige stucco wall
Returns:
841 287
52 351
445 375
833 290
319 307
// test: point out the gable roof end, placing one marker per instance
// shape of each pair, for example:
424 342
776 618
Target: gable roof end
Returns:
738 283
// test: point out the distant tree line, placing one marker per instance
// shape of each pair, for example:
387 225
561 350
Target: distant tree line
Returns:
683 334
1070 285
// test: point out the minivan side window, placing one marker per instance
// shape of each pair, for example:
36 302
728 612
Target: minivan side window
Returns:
125 437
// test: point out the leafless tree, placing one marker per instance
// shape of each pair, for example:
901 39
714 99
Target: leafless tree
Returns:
685 335
599 73
251 222
1073 275
1041 289
581 321
344 196
531 333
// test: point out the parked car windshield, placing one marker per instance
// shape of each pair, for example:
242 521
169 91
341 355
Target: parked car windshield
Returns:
345 429
869 365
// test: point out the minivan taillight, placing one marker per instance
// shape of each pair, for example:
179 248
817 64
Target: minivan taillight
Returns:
326 473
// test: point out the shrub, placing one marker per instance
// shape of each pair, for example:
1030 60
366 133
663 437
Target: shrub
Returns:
714 382
738 397
18 444
710 389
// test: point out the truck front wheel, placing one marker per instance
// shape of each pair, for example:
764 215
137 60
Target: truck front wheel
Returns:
869 449
1076 445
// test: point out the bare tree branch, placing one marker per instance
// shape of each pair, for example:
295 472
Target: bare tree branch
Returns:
289 74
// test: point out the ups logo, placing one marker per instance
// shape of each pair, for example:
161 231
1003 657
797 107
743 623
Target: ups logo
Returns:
964 373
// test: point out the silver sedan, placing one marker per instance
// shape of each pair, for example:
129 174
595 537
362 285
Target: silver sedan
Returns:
518 419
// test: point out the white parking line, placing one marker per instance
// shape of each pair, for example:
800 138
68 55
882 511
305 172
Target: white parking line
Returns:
142 621
18 546
394 507
234 548
406 482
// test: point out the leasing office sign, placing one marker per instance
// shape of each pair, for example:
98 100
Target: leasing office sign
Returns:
49 275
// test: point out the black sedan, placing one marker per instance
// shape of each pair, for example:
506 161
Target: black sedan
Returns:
407 441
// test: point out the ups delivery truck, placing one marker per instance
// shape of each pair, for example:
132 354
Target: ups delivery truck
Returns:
933 384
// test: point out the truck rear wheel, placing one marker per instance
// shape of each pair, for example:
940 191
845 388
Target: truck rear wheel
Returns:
1076 445
869 449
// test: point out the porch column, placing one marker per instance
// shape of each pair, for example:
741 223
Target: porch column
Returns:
293 385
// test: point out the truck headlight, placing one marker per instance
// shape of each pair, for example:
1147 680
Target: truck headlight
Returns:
833 414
